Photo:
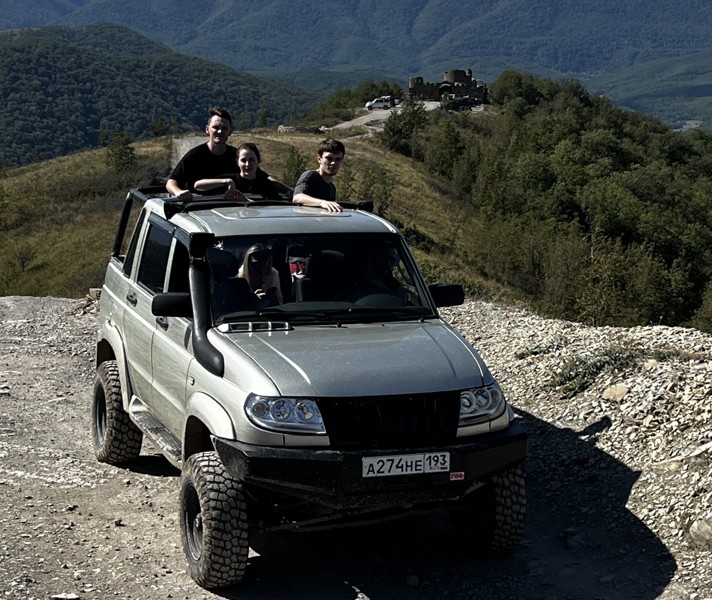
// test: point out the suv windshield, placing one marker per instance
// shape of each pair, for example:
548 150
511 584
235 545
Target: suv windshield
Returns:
315 278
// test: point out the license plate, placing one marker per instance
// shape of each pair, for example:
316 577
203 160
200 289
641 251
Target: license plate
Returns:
405 464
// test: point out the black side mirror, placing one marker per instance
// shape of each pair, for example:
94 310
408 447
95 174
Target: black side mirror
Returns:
172 304
447 294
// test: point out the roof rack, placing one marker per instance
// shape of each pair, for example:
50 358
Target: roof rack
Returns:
174 205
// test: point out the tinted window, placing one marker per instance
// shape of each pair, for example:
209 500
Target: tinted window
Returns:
179 270
154 259
131 251
339 273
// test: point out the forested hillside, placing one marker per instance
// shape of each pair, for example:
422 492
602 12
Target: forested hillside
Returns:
353 40
65 89
588 211
552 196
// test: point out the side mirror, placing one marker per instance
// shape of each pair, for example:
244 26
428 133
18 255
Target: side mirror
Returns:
447 294
172 304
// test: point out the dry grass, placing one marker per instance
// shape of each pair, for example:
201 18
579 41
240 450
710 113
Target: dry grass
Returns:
60 220
64 211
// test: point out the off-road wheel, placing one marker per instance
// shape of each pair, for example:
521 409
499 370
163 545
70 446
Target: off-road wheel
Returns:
116 438
213 522
492 523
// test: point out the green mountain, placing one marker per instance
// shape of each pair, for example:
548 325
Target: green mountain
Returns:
351 40
65 89
553 196
677 91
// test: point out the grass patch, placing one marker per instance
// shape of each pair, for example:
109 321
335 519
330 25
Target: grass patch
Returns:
60 216
579 373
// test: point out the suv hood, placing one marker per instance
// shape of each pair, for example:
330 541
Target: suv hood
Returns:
362 359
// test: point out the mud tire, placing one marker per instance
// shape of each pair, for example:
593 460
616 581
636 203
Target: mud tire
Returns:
213 522
492 524
116 438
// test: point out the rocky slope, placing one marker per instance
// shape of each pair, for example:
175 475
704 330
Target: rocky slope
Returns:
618 482
642 396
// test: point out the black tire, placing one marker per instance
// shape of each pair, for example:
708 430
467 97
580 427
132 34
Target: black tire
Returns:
116 438
213 522
493 523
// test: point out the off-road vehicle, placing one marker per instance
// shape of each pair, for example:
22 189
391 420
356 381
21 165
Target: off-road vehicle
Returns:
337 396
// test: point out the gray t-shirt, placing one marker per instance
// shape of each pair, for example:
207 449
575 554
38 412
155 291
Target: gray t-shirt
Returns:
313 184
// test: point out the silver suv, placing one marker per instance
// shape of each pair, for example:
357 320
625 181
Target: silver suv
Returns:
293 365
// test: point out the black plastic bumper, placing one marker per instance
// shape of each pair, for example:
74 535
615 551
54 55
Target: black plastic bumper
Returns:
334 477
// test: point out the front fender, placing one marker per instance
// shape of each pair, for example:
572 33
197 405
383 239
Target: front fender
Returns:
211 414
110 346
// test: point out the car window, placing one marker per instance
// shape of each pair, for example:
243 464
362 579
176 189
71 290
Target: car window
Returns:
131 251
154 258
317 273
180 264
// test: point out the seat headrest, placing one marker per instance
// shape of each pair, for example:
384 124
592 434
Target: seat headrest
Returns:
325 263
223 263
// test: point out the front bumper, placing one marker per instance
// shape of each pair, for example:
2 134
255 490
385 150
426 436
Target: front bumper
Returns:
334 477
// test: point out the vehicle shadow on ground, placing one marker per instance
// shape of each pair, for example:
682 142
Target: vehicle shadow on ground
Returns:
580 543
153 464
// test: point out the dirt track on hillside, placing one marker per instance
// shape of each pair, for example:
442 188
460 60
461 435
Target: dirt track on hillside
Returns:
75 528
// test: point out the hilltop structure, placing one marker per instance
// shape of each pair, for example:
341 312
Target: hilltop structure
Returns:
456 83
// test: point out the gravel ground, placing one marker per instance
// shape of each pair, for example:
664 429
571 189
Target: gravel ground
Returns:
618 481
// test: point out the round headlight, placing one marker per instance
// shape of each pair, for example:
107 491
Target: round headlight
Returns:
478 405
483 398
306 410
260 409
285 415
468 403
281 410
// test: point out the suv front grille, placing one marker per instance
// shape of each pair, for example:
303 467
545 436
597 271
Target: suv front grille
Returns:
391 421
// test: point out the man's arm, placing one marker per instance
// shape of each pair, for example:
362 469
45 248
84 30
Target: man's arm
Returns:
177 179
174 189
307 200
231 191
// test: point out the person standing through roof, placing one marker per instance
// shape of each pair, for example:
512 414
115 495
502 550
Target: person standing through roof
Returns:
315 187
250 178
213 159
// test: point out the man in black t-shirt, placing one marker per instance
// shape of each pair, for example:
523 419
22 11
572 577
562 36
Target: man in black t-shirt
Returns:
315 188
212 159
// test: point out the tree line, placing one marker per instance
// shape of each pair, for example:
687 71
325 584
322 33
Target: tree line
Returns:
588 211
65 90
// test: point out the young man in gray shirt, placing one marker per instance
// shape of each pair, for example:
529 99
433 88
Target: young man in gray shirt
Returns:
315 187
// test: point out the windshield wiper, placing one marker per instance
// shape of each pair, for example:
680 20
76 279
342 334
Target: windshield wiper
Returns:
276 317
405 313
296 315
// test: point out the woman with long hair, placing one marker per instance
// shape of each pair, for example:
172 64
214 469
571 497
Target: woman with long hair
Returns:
260 274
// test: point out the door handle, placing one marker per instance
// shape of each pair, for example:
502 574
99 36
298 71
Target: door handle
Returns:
132 299
162 322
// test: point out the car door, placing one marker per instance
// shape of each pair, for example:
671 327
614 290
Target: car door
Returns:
172 350
139 324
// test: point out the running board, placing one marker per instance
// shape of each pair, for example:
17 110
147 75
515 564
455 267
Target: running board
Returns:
164 440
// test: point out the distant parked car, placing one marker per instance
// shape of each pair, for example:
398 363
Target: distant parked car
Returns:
383 102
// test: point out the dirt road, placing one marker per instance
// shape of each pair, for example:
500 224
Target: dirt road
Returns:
74 528
374 120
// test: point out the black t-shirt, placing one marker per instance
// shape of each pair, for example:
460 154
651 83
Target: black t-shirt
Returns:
200 163
261 185
313 184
